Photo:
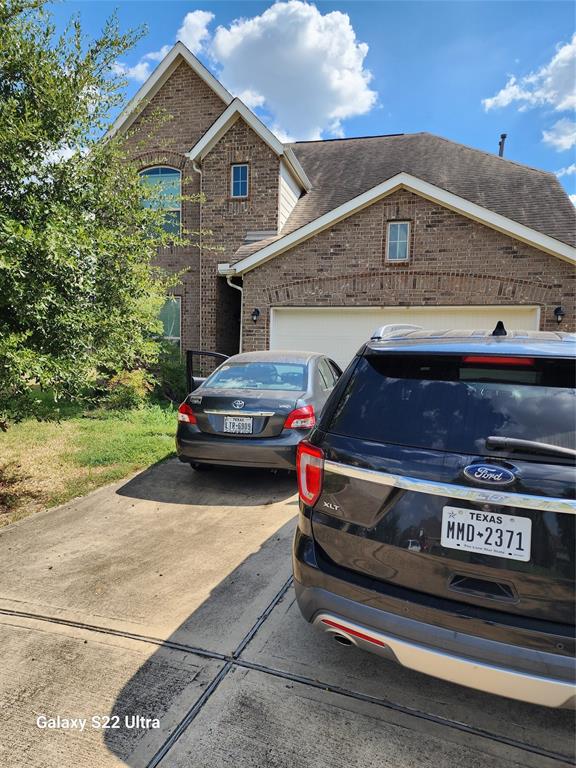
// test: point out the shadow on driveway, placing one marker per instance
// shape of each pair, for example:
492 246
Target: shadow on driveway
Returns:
167 691
273 702
162 482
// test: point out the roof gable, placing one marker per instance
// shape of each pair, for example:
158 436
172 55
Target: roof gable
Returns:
413 184
158 78
238 110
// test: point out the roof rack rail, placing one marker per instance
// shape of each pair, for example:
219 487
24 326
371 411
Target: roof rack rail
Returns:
383 330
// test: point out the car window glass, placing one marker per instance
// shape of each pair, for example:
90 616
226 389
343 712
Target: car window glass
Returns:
335 370
259 375
326 375
443 404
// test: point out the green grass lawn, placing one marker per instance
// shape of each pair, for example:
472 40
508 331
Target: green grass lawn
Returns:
44 463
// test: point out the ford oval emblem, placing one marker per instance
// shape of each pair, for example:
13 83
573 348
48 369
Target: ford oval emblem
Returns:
489 474
238 404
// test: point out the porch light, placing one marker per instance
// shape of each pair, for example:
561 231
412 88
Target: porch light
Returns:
559 314
255 314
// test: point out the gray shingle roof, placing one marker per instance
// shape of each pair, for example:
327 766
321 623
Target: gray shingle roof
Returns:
342 169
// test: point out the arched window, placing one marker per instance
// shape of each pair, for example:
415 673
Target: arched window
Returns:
166 185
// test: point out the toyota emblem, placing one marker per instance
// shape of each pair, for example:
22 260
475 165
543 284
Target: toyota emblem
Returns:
238 404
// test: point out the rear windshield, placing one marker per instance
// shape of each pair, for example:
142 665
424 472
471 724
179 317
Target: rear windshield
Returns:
446 403
284 377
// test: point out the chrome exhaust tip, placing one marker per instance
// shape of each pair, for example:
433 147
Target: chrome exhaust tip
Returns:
342 640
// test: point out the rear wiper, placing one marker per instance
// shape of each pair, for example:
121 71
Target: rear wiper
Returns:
498 443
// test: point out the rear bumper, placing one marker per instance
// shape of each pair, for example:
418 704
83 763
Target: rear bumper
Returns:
503 669
270 452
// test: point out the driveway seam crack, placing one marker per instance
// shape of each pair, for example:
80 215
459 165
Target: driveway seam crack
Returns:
200 702
410 711
171 644
234 660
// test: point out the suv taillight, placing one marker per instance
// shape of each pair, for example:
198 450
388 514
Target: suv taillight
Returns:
310 471
301 418
186 414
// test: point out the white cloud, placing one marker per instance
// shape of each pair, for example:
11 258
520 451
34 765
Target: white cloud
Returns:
572 199
552 85
157 55
562 135
194 30
304 68
252 98
138 72
193 33
61 154
568 171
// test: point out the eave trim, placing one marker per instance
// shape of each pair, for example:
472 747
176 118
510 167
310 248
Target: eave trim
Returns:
424 189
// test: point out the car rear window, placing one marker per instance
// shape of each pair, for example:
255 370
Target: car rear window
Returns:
283 377
455 403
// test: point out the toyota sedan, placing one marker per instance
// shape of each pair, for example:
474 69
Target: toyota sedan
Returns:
255 409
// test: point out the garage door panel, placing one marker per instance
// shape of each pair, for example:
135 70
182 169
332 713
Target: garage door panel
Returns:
340 331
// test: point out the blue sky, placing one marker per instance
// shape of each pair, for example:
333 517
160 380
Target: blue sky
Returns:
464 70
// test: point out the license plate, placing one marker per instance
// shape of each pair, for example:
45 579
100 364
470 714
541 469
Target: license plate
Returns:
238 425
487 533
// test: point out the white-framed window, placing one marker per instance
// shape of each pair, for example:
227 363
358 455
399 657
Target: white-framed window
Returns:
398 241
171 318
166 183
239 174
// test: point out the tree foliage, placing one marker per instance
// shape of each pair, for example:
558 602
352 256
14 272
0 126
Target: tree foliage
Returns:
78 293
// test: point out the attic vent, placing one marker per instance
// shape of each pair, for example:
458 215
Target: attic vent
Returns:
264 234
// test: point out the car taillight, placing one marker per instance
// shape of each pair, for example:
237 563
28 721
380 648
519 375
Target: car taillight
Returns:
498 360
186 414
310 471
301 418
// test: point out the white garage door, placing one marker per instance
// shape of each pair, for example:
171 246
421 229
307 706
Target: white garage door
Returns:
340 331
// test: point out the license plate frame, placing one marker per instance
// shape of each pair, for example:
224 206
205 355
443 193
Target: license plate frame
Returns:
487 533
238 425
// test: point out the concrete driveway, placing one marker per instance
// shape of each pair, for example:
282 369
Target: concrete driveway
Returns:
163 608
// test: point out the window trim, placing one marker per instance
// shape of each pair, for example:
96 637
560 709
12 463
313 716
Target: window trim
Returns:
388 241
178 300
231 189
178 206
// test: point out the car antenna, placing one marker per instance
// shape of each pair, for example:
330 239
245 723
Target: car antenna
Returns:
499 330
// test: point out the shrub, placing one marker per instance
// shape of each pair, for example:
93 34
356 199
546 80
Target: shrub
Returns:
170 373
129 389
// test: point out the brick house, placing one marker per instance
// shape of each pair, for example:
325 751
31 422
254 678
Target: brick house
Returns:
322 241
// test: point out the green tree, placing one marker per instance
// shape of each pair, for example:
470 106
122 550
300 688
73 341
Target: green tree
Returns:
78 293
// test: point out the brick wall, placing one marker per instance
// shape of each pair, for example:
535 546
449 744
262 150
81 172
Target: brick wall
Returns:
454 261
168 127
229 221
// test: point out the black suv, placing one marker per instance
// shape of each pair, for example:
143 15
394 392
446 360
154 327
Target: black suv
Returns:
437 509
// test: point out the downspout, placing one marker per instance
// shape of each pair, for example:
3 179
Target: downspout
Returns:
241 289
198 170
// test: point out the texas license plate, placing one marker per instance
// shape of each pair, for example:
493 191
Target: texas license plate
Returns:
238 425
487 533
